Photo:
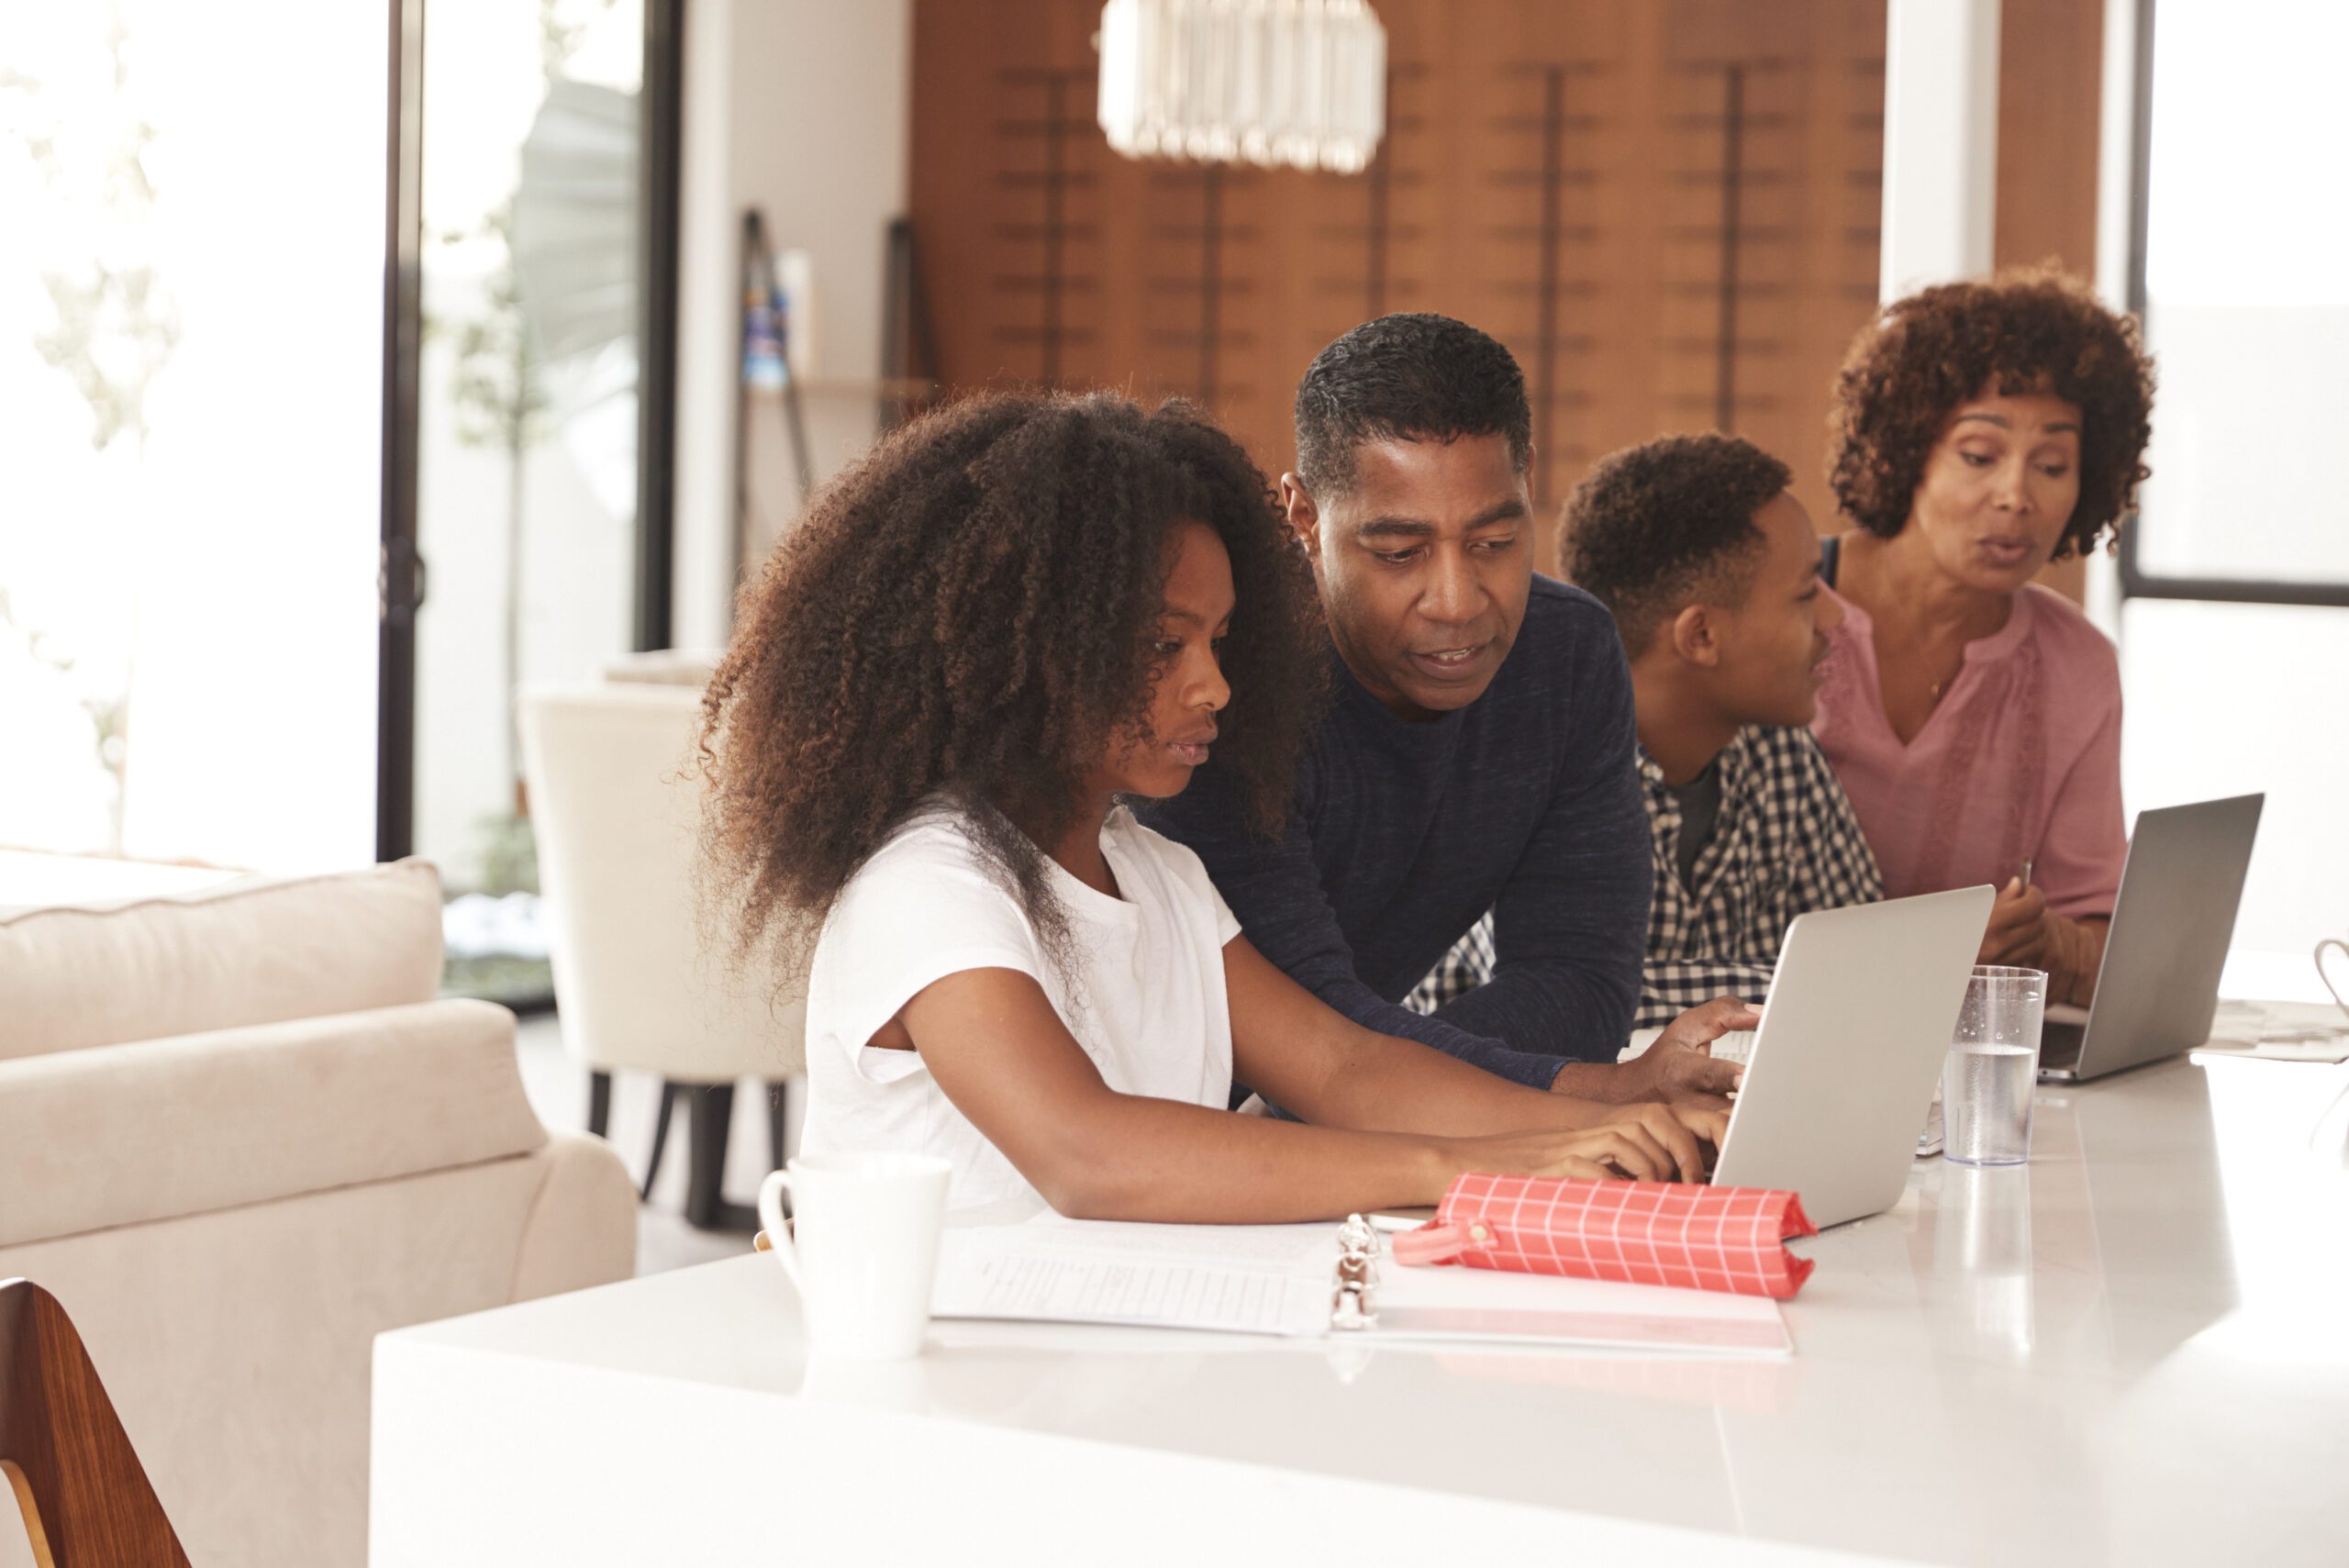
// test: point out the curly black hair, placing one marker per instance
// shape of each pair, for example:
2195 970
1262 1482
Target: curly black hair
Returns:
2028 330
1410 377
1653 525
967 612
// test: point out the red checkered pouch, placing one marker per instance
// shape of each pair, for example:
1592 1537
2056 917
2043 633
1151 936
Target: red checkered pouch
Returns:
1671 1233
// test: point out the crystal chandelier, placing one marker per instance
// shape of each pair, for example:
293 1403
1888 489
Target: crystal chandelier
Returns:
1297 83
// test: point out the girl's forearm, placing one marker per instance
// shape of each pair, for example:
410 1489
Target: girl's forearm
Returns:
1130 1157
1384 1084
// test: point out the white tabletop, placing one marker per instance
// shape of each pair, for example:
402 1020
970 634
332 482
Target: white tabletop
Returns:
2131 1350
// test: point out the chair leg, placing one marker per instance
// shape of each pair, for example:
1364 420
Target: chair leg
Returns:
709 1118
778 1118
659 1135
599 1103
76 1482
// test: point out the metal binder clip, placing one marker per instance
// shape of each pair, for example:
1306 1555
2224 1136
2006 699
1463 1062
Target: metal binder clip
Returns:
1354 1305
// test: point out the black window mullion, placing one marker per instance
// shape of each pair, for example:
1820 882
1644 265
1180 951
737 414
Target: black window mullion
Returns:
400 575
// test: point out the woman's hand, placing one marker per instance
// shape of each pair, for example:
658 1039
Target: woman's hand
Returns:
2025 933
2071 953
2017 931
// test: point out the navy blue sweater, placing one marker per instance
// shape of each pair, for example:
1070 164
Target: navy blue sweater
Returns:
1525 802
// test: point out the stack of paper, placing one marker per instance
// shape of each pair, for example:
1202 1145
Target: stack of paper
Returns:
2280 1032
1276 1279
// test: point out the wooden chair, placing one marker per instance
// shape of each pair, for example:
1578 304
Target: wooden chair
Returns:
85 1498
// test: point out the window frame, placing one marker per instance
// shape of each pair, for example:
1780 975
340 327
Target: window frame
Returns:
2136 581
401 576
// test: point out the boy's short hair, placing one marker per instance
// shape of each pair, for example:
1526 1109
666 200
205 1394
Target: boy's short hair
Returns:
1411 377
1654 527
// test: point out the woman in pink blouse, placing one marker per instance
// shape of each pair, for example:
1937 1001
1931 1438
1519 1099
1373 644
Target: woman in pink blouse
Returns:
1982 430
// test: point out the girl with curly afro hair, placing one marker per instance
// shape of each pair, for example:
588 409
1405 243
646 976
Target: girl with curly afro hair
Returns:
1980 430
1011 613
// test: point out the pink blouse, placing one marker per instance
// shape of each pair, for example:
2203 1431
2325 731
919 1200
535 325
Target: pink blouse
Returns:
2022 758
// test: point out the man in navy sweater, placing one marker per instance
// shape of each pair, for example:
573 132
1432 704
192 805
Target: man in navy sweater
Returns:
1478 750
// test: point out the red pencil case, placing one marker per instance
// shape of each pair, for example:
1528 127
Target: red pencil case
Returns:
1672 1233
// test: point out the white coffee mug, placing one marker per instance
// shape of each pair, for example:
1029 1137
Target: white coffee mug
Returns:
862 1248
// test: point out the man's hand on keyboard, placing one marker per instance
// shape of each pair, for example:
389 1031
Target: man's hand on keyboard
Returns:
1680 1065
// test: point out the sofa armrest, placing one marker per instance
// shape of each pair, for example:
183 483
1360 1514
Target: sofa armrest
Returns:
121 1134
581 1228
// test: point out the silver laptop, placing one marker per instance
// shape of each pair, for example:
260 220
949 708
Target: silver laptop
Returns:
1859 1019
2171 924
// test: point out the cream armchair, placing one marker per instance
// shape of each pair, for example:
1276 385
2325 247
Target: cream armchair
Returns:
239 1138
614 802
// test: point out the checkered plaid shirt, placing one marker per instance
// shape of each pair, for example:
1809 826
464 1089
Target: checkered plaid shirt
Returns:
1784 842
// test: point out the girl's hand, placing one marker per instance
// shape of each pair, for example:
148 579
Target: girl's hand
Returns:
1680 1129
1643 1143
1706 1120
1519 1154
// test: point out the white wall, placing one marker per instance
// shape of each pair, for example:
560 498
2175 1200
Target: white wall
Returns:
1941 143
801 108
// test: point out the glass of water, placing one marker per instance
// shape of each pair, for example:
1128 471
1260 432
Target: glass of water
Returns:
1993 1066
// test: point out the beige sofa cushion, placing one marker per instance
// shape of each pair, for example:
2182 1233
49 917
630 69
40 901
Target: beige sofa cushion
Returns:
248 952
236 1344
126 1134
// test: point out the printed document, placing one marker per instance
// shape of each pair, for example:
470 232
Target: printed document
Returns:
1278 1279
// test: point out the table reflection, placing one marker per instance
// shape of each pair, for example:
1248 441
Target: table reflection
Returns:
1981 1261
2108 1250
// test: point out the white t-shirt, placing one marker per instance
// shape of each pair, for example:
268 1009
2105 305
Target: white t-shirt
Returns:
1150 1009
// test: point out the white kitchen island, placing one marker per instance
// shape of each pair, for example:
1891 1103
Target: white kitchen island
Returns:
2135 1349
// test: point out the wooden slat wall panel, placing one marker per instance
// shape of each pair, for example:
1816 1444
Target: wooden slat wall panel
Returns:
1555 170
2050 109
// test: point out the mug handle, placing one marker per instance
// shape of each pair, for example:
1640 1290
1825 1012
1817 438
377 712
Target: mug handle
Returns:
771 1193
2339 1000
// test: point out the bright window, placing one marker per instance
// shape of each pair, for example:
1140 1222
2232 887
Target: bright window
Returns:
191 322
2247 296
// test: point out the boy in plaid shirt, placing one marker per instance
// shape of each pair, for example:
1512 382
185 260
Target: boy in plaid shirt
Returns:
1710 568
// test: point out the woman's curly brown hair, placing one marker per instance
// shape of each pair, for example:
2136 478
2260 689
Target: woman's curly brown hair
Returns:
2033 330
967 613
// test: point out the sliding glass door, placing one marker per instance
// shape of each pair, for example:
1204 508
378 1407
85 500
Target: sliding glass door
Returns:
530 473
